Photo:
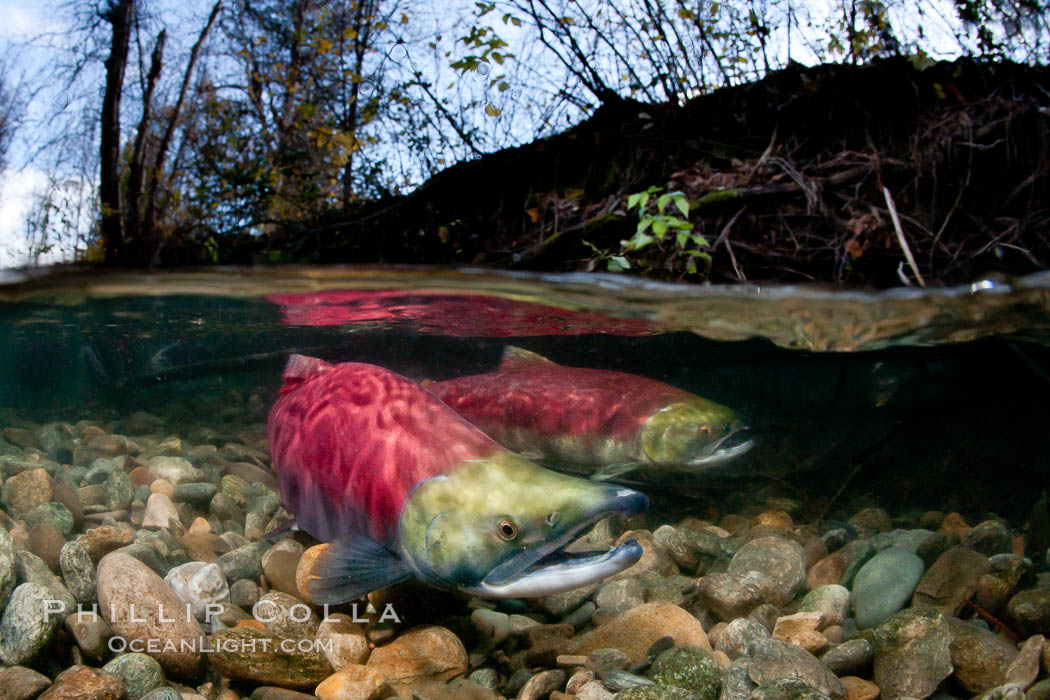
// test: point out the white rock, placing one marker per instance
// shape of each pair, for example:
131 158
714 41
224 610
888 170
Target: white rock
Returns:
159 510
493 625
175 470
198 584
593 691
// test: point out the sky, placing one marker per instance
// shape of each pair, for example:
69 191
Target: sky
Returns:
19 20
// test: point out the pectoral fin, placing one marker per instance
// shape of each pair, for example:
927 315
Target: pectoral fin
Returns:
289 526
351 567
613 471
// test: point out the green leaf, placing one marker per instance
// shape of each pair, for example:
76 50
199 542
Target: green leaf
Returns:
643 199
683 204
682 239
660 227
617 263
661 203
700 241
632 200
643 224
638 241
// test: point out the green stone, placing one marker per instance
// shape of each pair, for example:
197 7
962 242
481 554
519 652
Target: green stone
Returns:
689 668
140 673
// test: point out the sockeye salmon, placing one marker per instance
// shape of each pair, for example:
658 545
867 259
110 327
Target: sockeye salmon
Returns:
607 422
402 486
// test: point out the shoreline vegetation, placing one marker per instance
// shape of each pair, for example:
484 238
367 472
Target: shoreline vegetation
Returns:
894 173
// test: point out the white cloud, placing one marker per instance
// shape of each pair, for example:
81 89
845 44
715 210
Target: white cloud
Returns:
22 22
18 191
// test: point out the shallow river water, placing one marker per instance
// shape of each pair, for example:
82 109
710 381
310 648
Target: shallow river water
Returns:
893 491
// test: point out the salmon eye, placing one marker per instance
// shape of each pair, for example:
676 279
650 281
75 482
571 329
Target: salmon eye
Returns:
507 529
553 518
704 430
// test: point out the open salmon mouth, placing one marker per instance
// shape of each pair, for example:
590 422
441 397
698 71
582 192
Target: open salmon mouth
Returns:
728 447
544 568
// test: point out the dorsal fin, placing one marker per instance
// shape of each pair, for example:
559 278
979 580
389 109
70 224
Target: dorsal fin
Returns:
300 368
516 358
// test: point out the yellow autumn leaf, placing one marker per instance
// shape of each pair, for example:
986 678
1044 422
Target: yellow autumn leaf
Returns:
492 110
324 46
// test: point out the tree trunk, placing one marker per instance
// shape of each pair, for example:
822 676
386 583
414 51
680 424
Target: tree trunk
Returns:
119 16
363 16
136 173
149 225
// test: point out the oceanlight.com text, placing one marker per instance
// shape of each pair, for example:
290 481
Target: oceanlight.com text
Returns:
208 645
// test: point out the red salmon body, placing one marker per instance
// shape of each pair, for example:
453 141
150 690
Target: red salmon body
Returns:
350 441
550 401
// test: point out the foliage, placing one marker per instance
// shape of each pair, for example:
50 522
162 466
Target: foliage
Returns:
654 225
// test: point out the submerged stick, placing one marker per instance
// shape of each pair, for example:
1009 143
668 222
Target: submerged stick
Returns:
900 236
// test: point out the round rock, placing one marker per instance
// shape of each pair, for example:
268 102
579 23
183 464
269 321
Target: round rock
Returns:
54 514
286 615
117 492
28 623
351 683
912 654
7 567
46 542
343 641
689 668
199 585
430 652
884 585
140 673
25 491
831 601
784 561
21 683
139 605
772 660
174 470
244 593
159 511
634 631
265 658
736 637
82 682
78 572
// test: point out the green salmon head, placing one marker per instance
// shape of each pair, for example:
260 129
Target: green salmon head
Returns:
696 432
495 527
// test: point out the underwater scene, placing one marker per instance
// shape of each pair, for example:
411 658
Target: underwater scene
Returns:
389 483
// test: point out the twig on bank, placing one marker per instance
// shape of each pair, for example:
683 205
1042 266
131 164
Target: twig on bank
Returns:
900 236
